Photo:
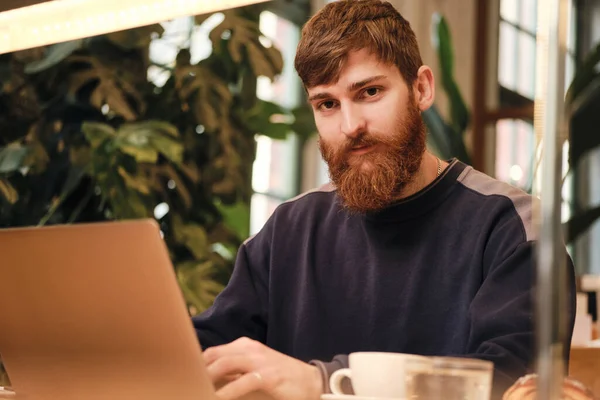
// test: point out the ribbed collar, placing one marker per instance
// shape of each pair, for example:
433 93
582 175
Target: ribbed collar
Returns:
425 199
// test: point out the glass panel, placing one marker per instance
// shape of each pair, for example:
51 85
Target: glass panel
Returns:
164 49
572 35
515 146
526 65
323 176
274 176
261 208
567 194
509 10
569 71
284 35
528 20
201 46
261 170
275 164
507 57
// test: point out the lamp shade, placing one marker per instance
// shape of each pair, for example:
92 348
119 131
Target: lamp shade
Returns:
58 21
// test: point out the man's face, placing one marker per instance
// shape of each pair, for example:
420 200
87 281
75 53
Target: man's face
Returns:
371 132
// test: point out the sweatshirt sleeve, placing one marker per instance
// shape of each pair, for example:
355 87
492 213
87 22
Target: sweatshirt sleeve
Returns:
502 315
328 368
502 320
240 310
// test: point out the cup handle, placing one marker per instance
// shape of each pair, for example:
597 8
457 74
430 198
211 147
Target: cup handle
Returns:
335 382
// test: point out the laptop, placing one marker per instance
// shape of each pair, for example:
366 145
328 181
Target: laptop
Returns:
94 311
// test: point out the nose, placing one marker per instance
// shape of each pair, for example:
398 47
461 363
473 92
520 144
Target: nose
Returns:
353 123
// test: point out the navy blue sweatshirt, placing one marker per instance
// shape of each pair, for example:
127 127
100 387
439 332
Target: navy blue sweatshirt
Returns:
447 271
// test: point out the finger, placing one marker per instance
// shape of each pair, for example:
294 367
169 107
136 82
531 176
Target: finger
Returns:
231 365
248 383
211 354
242 345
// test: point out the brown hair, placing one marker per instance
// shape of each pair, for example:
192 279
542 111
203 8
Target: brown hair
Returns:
351 25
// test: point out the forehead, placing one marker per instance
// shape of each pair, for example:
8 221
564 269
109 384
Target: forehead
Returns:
359 66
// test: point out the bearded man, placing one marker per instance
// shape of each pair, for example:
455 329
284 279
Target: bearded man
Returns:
402 252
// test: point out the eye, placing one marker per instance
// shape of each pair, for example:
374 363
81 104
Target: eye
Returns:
326 105
371 92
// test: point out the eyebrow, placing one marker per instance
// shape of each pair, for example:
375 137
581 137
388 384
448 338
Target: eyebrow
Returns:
351 88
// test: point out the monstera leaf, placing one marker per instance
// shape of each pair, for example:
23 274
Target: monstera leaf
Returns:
110 88
196 279
192 236
135 38
12 157
201 90
54 54
143 140
269 119
8 192
242 37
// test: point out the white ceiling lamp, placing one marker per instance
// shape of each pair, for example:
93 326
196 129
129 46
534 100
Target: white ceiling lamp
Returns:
63 20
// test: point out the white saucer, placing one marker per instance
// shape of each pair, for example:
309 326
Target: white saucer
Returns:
353 397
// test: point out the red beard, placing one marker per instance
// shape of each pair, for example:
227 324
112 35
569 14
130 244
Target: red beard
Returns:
372 181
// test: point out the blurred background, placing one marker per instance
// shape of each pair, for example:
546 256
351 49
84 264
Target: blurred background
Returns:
201 122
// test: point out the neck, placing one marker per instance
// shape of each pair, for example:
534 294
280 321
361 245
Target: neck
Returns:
427 173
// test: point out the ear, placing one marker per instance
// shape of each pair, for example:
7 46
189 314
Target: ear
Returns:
424 88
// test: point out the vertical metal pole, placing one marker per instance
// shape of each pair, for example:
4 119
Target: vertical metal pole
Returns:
550 127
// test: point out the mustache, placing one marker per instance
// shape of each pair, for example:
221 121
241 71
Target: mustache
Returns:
363 140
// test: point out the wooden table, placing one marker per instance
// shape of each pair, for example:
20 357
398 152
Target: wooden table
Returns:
585 367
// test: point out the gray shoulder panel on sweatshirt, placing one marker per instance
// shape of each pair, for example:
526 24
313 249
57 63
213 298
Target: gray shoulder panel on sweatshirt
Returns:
522 201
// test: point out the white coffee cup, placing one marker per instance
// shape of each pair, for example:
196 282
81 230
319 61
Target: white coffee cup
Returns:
376 374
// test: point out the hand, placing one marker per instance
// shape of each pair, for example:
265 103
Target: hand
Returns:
250 366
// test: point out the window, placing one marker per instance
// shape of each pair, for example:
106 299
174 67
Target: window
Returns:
275 174
275 171
515 141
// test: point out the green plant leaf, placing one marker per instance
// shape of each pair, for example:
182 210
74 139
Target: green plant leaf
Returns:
112 88
142 154
74 177
262 119
203 91
12 157
580 223
442 41
54 55
261 65
276 58
125 201
135 38
583 135
192 236
96 133
197 282
304 122
137 183
145 140
584 75
5 72
172 149
169 171
444 138
244 41
237 218
8 191
37 158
